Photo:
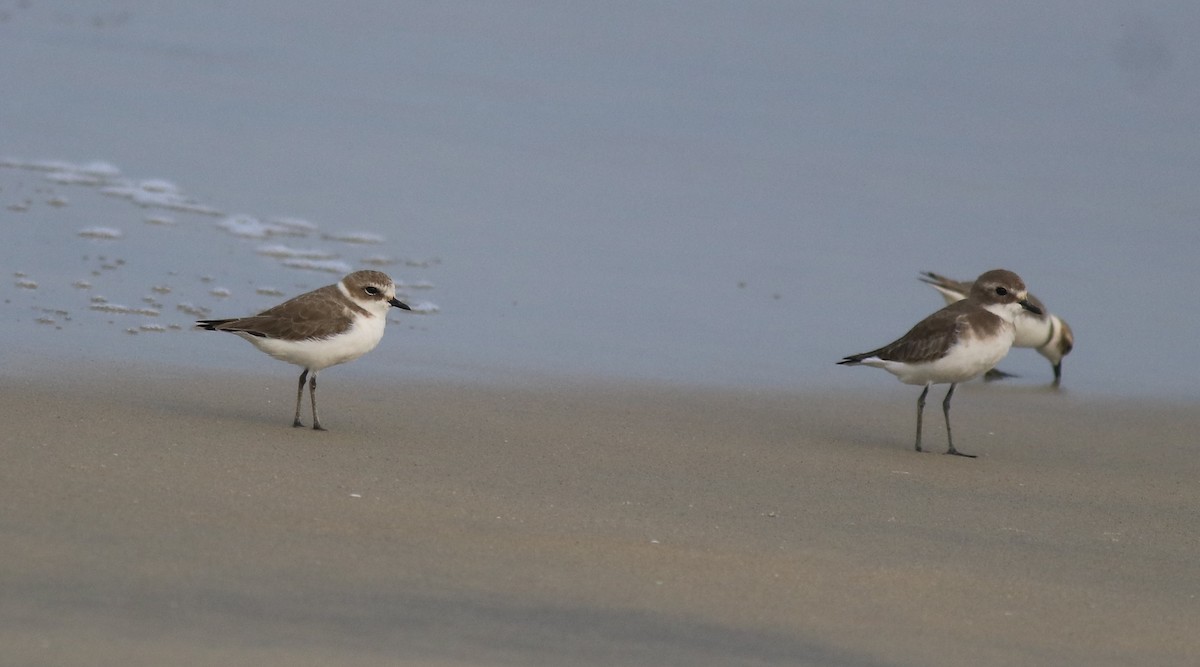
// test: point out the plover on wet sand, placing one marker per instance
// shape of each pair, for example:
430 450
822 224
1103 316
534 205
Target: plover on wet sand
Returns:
955 344
325 327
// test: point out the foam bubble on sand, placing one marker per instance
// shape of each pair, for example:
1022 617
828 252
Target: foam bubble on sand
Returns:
269 291
220 292
366 238
96 169
162 220
46 165
244 226
378 260
423 307
51 316
326 265
193 310
282 251
420 284
250 227
26 283
74 178
99 168
81 284
157 193
108 233
300 226
421 263
123 310
159 185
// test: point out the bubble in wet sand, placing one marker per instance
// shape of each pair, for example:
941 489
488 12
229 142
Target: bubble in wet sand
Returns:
423 307
328 265
366 238
106 307
193 310
250 227
282 251
298 226
157 194
106 233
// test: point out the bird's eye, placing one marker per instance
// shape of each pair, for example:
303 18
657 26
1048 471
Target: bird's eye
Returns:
372 290
1001 291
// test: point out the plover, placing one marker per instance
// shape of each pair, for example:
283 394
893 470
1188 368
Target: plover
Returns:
957 343
1047 333
327 326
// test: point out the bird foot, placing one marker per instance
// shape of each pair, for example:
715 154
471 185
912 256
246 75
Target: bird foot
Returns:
954 452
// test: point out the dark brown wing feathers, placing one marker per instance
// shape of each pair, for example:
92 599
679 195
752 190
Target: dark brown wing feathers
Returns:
926 341
299 318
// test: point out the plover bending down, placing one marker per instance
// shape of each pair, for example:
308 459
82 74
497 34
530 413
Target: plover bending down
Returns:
322 328
957 343
1047 333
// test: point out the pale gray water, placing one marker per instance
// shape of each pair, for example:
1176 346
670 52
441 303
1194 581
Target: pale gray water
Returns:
724 193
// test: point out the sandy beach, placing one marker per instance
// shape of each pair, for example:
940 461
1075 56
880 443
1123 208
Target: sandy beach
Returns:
607 218
171 517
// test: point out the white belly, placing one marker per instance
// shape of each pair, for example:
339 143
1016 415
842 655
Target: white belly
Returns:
967 360
315 354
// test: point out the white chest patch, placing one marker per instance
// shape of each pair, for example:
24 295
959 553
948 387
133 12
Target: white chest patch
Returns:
969 358
318 353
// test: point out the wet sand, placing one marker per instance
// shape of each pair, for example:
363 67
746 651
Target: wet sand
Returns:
178 519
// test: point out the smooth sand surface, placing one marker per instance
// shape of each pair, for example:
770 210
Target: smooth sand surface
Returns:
178 519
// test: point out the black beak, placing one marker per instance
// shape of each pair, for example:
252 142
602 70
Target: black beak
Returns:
397 303
1030 307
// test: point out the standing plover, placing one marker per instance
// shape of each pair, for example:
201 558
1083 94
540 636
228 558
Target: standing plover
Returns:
957 343
1047 333
327 326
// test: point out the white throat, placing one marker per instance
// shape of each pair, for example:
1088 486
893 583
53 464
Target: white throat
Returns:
1005 311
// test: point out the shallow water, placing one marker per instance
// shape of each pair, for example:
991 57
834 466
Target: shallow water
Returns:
728 194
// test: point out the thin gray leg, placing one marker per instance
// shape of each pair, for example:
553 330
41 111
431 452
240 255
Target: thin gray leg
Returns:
299 395
920 410
312 390
946 412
